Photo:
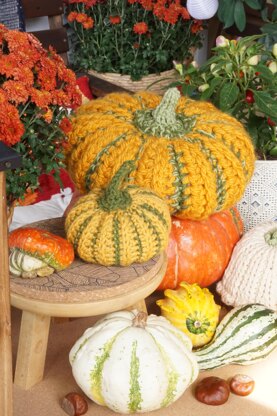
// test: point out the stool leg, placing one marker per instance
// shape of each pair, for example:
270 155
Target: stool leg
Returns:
140 305
33 339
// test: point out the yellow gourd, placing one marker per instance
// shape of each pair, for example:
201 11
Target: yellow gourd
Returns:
193 310
195 157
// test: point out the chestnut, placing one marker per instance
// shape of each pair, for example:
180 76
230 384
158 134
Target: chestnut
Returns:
242 385
213 391
74 404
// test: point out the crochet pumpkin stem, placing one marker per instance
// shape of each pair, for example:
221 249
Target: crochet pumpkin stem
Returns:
113 197
163 121
271 237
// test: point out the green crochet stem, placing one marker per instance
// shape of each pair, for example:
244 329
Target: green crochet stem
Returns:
114 198
163 121
271 237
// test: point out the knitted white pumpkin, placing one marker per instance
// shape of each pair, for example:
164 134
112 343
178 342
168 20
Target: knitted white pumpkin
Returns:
251 276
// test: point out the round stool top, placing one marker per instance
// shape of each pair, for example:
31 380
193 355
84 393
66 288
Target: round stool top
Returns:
85 282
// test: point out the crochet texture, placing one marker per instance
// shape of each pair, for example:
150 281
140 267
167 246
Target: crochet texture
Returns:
119 225
191 154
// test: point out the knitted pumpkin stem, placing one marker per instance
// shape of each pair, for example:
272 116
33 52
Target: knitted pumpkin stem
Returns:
163 121
113 197
271 237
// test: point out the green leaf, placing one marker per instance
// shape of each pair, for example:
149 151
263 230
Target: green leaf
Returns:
254 4
225 12
239 15
269 28
214 83
265 103
228 95
265 73
274 15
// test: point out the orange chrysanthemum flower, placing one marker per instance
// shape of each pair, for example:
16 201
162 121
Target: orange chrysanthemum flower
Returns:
40 98
48 115
11 128
89 23
140 28
115 20
8 63
16 91
197 26
72 16
66 125
36 90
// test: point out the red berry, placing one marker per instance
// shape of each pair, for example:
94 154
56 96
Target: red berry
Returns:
270 122
249 97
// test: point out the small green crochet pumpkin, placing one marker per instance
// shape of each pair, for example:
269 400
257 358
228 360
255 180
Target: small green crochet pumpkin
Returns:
119 225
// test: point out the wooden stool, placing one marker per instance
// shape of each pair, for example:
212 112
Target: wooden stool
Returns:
83 289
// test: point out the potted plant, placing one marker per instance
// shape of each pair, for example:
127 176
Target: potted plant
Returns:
241 80
130 40
36 94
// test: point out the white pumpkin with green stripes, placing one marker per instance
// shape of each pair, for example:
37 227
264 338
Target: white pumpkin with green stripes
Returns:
246 335
131 362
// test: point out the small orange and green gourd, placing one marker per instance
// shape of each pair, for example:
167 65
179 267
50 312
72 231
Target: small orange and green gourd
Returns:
193 310
120 224
195 157
37 252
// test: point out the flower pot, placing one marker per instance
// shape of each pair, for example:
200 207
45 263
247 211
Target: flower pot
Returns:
259 202
154 82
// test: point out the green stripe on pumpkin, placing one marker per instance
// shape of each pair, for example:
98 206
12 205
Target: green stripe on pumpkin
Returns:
116 240
179 185
236 219
96 372
230 354
220 181
80 231
135 398
136 234
233 316
155 212
152 227
97 160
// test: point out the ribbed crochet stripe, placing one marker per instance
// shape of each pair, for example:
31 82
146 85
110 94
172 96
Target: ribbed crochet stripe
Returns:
237 154
80 231
98 157
94 239
136 235
155 212
79 212
116 240
179 185
220 181
152 227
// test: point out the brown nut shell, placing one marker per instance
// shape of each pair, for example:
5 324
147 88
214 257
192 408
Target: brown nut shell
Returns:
242 385
74 404
213 391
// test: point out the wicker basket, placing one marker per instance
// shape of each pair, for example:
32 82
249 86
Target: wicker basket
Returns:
159 81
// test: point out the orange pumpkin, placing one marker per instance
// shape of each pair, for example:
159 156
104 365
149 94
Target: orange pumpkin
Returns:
199 251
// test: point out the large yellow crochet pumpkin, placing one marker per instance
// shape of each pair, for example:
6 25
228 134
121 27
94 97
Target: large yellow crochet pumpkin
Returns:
191 154
119 225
